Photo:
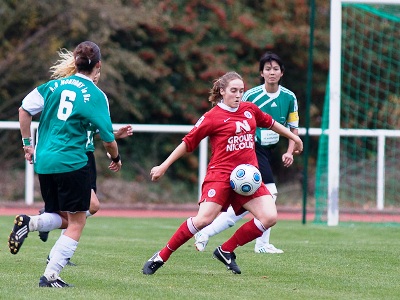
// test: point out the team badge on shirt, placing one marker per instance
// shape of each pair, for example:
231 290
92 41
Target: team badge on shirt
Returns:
248 114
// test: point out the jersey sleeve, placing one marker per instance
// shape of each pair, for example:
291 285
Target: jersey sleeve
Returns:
263 119
33 102
245 96
101 119
293 117
201 129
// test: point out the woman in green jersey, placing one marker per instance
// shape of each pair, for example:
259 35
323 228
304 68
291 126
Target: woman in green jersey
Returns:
68 106
63 68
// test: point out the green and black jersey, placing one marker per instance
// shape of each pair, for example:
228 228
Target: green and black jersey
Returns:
70 108
282 106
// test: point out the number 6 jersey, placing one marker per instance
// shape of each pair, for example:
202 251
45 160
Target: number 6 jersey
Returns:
69 106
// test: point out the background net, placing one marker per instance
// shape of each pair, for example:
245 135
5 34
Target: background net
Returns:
370 99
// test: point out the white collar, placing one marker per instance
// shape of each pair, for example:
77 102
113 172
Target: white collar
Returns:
83 76
226 107
273 95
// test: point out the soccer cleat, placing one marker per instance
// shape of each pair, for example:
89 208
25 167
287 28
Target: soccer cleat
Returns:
153 264
201 241
58 283
228 259
70 263
43 235
19 233
269 248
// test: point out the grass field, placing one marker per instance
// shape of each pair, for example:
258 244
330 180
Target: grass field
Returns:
352 261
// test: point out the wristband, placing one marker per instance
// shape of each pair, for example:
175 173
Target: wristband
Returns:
27 141
116 159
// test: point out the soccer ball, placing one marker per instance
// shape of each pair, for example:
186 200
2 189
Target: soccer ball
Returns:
245 179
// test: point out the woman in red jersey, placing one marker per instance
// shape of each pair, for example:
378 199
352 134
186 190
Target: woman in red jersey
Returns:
230 126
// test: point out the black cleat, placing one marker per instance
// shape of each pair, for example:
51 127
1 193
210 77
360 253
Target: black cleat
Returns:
58 283
70 263
153 264
228 259
19 233
44 235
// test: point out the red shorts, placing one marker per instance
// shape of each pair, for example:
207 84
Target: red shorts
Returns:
221 192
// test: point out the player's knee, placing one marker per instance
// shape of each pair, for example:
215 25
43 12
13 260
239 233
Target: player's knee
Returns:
269 219
94 203
94 208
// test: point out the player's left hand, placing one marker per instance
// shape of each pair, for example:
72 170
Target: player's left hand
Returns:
124 132
115 167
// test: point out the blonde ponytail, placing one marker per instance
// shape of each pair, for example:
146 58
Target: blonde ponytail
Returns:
65 66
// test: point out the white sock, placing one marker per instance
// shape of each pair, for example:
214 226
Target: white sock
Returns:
61 252
222 222
52 249
264 239
88 214
45 222
193 230
259 225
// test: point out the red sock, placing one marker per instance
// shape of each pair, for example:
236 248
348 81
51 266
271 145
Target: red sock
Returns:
246 233
181 236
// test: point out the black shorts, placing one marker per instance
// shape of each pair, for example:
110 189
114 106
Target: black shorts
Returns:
264 156
68 192
93 172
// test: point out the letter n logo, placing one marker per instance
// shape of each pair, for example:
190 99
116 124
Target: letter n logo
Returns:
242 126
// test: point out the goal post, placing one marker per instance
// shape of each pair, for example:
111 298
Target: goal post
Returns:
335 92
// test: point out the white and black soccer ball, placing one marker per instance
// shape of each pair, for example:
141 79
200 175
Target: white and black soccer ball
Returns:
245 179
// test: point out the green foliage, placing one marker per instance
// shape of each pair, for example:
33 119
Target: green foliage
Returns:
160 57
346 262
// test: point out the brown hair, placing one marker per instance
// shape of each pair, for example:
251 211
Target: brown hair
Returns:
86 55
221 83
65 66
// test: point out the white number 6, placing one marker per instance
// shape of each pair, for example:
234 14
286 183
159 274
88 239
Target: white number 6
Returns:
66 105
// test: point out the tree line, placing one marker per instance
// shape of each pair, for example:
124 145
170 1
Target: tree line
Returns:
159 59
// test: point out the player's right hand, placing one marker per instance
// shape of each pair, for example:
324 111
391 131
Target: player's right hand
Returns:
29 151
156 173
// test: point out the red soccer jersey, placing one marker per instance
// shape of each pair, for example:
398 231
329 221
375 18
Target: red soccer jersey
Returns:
231 133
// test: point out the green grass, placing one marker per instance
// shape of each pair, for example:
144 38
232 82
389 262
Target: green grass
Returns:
346 262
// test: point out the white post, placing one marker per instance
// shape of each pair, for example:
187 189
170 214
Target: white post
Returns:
29 183
29 172
203 159
334 112
380 181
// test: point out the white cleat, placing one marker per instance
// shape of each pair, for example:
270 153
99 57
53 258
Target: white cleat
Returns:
269 248
201 241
